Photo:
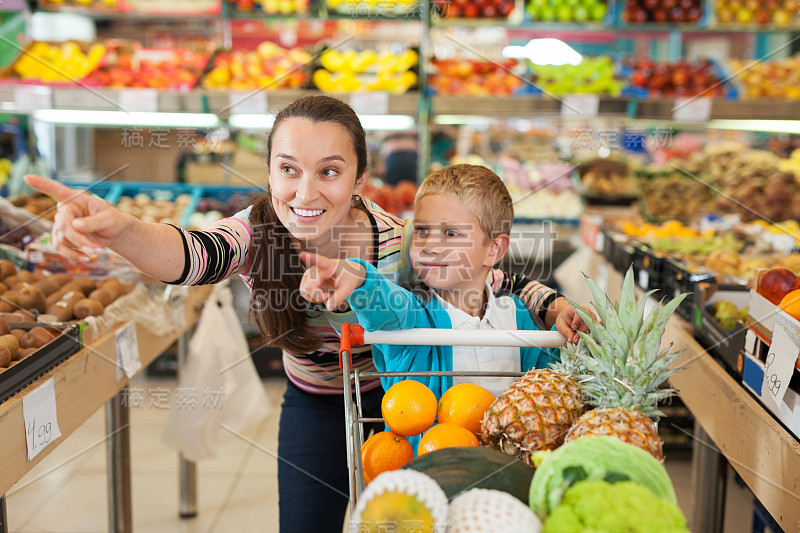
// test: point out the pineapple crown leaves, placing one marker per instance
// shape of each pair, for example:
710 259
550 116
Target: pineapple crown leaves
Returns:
620 363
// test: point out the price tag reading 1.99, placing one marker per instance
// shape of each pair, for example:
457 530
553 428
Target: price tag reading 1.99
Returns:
41 422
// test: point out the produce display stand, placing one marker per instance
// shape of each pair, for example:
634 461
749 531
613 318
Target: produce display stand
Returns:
731 426
355 334
83 384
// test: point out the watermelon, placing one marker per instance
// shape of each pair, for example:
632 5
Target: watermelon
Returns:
460 468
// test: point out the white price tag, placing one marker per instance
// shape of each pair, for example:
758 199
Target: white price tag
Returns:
644 279
600 242
370 103
28 98
780 359
580 105
41 419
692 109
248 102
138 100
127 351
602 276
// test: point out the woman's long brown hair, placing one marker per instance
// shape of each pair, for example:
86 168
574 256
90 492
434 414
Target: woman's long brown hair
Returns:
280 313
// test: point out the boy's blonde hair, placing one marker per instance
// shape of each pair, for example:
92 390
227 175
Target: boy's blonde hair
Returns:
478 188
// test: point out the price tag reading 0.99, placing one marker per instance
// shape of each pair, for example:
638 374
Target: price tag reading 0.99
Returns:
39 435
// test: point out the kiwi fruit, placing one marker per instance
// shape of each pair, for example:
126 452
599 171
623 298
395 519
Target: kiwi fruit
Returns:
47 286
102 296
10 343
72 286
112 286
72 297
87 307
7 268
26 315
54 297
30 297
5 356
87 285
13 281
61 310
60 279
27 352
18 333
38 274
35 338
11 297
25 276
4 329
3 288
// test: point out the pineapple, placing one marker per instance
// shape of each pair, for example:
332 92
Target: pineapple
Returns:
620 366
534 413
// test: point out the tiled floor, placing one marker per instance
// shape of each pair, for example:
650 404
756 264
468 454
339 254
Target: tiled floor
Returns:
237 491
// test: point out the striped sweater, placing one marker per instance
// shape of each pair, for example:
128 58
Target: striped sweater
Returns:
223 250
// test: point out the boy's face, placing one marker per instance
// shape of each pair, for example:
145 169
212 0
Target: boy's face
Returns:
449 250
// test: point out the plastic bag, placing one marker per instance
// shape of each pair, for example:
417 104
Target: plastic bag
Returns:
221 375
159 312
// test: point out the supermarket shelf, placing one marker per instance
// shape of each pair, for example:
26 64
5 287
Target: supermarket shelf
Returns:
516 106
763 453
83 384
403 17
144 17
194 101
592 27
219 102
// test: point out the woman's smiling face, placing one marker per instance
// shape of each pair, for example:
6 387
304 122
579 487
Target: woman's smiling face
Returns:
312 175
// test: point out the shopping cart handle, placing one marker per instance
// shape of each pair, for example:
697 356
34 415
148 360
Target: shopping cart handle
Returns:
448 337
460 337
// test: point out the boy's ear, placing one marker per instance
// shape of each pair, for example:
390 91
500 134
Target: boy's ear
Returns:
497 249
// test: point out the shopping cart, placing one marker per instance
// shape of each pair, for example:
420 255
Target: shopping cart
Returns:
355 334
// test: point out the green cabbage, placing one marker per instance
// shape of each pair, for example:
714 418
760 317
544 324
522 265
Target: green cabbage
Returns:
602 507
595 458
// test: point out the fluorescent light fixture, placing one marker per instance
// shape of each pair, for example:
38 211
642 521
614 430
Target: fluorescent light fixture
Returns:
387 122
462 120
546 51
242 121
767 126
121 118
369 122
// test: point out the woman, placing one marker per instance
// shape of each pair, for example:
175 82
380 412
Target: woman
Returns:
317 159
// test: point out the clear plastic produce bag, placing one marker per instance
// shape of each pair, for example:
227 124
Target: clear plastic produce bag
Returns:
220 378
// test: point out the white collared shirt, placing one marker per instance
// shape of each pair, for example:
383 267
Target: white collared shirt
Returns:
501 313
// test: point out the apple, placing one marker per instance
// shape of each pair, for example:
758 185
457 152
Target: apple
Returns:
777 283
598 11
564 13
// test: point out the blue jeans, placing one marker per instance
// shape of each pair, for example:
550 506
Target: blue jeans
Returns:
313 490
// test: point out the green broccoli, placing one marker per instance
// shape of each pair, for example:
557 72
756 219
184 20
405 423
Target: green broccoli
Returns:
624 507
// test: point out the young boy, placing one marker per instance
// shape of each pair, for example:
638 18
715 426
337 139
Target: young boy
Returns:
462 220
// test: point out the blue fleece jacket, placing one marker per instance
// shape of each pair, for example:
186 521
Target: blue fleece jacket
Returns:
382 305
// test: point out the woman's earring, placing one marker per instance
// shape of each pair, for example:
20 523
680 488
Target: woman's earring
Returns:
355 200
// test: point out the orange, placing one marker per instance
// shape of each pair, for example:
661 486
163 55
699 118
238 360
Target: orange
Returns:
384 451
791 304
446 435
464 404
409 408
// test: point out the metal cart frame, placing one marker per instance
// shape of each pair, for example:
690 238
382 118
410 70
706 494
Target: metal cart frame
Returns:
354 334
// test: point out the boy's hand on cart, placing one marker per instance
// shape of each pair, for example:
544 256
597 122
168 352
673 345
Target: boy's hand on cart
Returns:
84 224
569 323
330 281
